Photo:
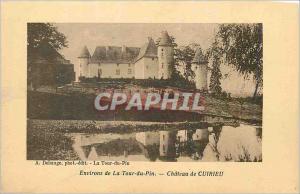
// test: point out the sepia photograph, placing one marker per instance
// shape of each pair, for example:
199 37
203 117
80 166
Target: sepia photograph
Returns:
156 92
149 97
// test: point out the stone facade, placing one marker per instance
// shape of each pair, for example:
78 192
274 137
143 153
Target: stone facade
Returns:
149 61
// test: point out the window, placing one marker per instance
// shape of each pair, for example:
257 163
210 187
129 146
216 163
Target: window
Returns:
162 49
163 137
152 58
118 72
162 65
129 65
146 66
129 71
117 64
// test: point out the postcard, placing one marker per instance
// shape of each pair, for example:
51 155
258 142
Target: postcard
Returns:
149 97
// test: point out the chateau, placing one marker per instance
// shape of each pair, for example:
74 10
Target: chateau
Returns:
149 61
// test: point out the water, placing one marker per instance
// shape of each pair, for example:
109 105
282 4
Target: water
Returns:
210 144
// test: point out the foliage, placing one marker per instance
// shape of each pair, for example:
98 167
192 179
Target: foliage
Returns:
185 55
215 84
38 33
242 47
44 40
146 83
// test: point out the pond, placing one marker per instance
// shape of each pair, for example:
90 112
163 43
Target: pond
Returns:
223 143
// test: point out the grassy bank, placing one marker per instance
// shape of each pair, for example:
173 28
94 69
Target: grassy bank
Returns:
44 105
88 126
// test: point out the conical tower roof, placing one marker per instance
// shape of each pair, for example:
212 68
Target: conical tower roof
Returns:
199 58
165 39
84 53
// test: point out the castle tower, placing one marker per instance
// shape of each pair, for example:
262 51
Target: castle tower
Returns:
165 55
199 66
84 60
167 144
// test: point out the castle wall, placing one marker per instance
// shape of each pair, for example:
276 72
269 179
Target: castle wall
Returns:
93 69
147 67
110 70
151 68
139 69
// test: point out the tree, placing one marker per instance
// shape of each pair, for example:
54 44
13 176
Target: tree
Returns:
41 38
242 46
215 84
38 33
185 55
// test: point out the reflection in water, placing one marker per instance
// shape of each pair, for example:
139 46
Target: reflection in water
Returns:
225 143
240 145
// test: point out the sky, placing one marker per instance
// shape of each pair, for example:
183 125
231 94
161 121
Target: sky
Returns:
130 34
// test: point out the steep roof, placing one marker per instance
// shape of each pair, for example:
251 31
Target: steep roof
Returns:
114 54
99 53
199 58
149 49
84 53
165 39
